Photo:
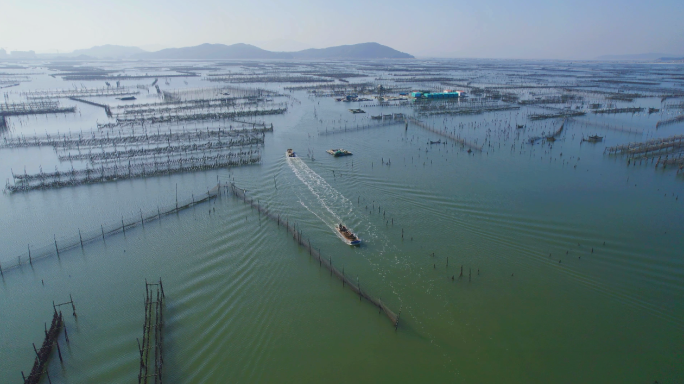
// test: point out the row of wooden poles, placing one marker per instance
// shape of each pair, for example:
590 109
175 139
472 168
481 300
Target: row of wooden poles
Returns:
445 134
51 339
152 334
298 236
194 108
201 116
655 146
83 92
90 139
92 235
382 123
40 181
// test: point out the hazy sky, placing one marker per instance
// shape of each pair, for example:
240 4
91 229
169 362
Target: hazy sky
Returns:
440 28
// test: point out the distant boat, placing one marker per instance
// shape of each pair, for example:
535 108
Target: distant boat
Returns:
378 117
290 153
594 139
435 142
518 126
127 98
339 152
348 235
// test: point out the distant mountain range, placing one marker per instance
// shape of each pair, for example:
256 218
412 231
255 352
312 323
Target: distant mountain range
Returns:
639 57
247 51
362 51
108 51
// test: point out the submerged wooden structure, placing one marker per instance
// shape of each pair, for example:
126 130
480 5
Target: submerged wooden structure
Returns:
51 340
151 356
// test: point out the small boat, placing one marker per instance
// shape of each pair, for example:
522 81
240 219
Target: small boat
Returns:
519 126
339 152
378 117
290 153
435 142
594 139
127 98
348 235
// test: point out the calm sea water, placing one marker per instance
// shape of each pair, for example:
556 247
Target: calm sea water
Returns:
572 261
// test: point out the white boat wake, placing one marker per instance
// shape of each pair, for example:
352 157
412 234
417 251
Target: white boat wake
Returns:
329 205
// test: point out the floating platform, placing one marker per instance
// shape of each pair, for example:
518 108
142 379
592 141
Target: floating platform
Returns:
357 111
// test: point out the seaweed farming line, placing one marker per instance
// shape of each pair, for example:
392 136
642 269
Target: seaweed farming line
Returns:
176 106
619 110
29 182
142 156
125 77
673 120
192 110
469 110
362 127
542 116
269 79
297 235
556 99
152 334
57 246
81 140
199 102
671 147
200 116
226 90
83 92
138 152
445 133
51 339
607 126
330 86
108 110
33 108
647 146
